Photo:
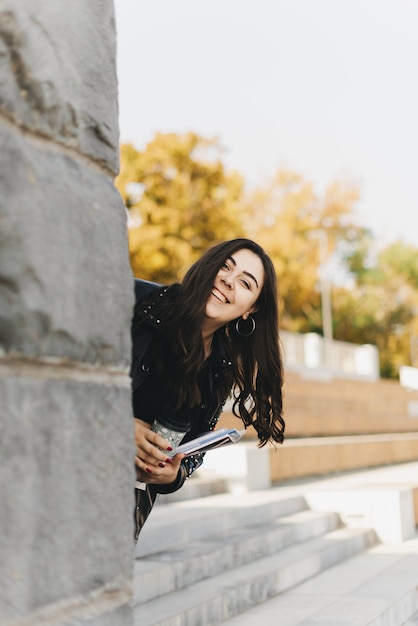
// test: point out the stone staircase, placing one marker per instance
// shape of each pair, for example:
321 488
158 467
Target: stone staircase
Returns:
376 587
247 558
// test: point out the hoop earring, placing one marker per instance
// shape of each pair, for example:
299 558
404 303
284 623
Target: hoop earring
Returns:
242 321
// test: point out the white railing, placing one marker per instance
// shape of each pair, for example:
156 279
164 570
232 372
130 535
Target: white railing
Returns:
408 377
311 354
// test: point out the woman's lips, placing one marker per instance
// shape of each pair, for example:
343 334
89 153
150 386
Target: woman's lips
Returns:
219 296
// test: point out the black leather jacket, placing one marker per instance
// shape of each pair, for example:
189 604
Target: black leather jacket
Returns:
148 297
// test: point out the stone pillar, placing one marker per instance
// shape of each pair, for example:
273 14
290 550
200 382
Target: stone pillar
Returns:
66 437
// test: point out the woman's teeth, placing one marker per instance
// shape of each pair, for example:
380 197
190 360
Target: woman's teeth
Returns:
219 296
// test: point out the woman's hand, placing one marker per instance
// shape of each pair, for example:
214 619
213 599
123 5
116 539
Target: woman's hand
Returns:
153 464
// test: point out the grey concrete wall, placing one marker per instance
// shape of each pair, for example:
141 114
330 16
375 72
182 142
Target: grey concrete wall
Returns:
66 440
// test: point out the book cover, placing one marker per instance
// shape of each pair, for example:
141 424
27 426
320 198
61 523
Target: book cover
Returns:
209 441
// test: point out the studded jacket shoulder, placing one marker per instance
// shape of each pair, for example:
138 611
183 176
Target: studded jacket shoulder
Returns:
143 333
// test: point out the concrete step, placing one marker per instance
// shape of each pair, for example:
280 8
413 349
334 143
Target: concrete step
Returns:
164 572
182 522
202 562
201 484
413 620
378 587
233 592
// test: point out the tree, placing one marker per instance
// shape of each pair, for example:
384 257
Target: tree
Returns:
387 287
285 216
180 199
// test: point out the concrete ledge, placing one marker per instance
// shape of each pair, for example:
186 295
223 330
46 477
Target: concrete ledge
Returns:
323 455
388 504
200 485
244 466
388 509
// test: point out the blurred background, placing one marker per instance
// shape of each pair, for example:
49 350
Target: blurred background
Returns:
289 122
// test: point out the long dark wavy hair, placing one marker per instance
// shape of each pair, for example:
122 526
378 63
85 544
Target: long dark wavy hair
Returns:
256 375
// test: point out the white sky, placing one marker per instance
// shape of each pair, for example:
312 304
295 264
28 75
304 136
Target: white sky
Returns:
326 87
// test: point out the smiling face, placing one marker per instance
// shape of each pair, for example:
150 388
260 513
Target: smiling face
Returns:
236 289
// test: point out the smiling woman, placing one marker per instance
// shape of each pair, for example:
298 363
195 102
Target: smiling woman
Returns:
194 344
235 292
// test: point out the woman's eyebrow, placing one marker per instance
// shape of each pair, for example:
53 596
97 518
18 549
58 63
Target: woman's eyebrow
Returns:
230 258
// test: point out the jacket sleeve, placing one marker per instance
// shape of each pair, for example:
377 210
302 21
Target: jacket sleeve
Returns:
191 463
188 465
141 334
177 484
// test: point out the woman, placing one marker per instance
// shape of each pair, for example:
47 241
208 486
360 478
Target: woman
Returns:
194 343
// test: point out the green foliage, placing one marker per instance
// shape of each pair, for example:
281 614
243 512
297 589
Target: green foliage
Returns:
389 288
401 260
289 219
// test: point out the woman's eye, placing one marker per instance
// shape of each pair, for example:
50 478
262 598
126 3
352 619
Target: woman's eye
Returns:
225 266
246 284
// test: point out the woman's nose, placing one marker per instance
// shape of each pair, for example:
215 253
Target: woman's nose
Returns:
227 281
